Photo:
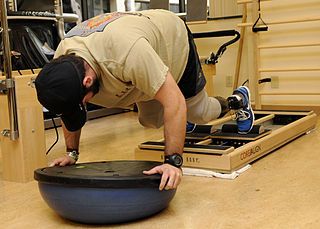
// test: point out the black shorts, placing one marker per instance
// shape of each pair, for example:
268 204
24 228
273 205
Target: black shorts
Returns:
193 79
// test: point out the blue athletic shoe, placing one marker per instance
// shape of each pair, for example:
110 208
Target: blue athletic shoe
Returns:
190 127
244 115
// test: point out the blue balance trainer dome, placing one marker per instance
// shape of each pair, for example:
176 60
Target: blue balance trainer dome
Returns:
103 192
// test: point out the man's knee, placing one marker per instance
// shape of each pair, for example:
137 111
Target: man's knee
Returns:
202 109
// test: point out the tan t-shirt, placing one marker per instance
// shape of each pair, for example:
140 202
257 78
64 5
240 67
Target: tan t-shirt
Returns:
131 53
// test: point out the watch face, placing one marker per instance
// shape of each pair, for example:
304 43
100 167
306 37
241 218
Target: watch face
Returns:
178 160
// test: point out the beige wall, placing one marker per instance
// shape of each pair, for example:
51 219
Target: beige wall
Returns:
301 82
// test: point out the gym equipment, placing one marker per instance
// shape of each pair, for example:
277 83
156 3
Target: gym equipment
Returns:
21 134
26 153
33 42
263 97
213 59
225 150
208 63
103 192
259 27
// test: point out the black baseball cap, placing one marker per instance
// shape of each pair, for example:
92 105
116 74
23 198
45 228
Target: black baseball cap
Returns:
60 90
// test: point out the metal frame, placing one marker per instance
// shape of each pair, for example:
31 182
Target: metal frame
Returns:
8 84
58 9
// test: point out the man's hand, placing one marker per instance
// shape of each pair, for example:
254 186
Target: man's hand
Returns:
171 176
72 139
62 161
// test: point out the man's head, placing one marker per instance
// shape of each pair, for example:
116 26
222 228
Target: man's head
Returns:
61 90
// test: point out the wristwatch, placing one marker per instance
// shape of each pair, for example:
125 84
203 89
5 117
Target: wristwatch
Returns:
175 159
74 154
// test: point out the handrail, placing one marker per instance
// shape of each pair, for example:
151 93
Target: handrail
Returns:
13 133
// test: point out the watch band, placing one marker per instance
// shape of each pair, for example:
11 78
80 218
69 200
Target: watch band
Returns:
74 154
175 160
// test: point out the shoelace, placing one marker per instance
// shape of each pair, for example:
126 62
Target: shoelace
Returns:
242 115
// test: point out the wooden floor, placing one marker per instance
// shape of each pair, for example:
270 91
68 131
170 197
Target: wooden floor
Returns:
281 190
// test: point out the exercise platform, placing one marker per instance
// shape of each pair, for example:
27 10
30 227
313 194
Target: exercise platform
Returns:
217 146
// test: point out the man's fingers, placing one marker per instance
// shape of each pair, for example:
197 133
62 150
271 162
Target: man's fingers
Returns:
63 161
174 181
52 164
55 162
171 176
177 180
171 180
164 180
169 184
153 171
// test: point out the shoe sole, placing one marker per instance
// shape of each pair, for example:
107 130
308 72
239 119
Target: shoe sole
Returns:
249 98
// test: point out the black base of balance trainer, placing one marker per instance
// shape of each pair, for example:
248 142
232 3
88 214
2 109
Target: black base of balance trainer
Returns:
103 192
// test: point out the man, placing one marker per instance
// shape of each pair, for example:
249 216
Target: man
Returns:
148 58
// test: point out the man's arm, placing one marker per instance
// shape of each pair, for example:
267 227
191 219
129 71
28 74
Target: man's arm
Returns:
72 142
175 115
175 118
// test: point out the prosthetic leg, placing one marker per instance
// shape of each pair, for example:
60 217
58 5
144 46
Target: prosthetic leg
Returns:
239 102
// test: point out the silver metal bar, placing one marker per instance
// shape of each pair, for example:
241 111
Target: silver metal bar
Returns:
58 10
13 132
68 17
28 15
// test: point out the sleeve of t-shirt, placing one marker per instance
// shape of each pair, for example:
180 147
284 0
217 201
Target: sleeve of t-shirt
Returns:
58 53
60 50
144 68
